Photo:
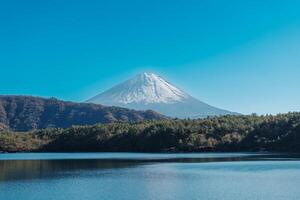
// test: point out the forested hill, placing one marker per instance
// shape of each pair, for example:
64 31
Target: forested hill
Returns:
23 113
280 133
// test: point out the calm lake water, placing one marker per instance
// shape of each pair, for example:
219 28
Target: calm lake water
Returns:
134 176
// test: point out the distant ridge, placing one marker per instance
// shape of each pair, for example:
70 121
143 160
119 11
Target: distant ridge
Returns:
23 113
150 91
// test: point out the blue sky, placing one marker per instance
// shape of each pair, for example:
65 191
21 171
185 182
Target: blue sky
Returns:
242 56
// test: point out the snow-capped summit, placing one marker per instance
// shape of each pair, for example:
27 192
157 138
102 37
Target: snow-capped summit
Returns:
151 91
144 88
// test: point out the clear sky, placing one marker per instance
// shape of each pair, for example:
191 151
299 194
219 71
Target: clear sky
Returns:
242 56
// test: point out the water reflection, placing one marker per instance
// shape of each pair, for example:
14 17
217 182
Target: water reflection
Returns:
31 169
46 169
149 176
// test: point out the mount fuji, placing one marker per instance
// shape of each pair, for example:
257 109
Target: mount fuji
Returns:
148 91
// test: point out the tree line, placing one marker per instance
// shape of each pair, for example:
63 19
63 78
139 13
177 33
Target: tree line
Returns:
277 133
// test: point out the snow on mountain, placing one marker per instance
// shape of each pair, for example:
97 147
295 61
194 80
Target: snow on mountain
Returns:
144 88
150 91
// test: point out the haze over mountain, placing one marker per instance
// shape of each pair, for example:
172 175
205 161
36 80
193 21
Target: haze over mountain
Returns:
150 91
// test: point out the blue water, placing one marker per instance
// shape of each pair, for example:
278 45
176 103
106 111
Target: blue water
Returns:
109 176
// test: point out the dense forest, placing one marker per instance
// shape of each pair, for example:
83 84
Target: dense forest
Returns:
24 113
280 133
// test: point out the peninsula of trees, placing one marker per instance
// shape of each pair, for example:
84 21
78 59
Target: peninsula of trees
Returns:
279 133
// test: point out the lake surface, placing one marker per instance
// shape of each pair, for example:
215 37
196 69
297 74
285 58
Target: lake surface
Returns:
135 176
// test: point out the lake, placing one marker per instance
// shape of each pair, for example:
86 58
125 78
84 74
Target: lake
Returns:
135 176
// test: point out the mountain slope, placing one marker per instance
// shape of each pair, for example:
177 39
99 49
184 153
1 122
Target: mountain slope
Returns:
144 88
22 113
150 91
